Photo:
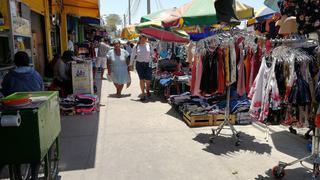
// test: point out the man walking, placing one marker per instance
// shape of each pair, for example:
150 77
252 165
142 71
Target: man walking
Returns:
101 61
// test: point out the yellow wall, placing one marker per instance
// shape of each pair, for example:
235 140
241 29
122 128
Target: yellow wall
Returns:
35 5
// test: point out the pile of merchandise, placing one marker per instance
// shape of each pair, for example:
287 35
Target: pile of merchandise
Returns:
79 104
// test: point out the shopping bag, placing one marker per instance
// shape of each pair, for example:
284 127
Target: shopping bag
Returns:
129 81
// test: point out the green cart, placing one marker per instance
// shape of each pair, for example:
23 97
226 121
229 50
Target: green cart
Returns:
34 138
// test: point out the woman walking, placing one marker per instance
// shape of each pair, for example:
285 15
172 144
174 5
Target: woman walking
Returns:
118 67
142 54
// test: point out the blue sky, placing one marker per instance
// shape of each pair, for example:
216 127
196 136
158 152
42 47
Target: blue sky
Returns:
121 6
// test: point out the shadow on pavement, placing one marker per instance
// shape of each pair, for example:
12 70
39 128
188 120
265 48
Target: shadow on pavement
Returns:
173 113
290 144
290 174
78 140
226 145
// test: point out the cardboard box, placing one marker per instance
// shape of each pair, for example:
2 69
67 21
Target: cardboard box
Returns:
82 77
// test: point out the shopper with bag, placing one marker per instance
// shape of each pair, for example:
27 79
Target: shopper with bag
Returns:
118 70
142 55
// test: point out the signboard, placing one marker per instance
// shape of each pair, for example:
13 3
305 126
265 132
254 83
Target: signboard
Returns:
82 77
4 15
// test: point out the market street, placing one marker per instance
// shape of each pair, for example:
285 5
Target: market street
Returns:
143 141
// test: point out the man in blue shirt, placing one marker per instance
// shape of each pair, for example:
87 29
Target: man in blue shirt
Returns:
23 78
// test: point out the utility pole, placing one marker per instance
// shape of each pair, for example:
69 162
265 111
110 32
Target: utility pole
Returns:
124 20
148 7
129 1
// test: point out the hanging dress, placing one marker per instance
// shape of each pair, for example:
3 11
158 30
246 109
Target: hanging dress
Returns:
193 76
241 83
221 73
264 92
198 76
209 73
226 63
233 63
247 65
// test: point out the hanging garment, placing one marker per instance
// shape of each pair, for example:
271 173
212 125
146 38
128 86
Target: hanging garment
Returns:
264 92
233 63
281 80
221 73
241 84
198 76
247 65
300 93
190 56
226 65
193 76
292 76
209 73
256 63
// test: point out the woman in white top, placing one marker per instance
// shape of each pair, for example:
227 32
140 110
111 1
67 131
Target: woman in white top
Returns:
142 54
118 66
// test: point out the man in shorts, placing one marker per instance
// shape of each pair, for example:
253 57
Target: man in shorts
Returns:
101 61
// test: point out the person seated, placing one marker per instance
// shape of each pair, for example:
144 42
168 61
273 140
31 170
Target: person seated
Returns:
23 78
62 73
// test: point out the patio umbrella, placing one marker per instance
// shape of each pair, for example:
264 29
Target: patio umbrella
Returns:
129 32
244 11
159 15
208 12
157 31
272 4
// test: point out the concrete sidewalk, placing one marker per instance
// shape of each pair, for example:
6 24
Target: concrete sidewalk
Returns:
132 140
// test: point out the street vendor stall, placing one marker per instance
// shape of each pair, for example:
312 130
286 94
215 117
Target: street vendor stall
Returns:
15 33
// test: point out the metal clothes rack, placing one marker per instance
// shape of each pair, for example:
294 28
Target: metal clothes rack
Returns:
222 37
226 122
279 170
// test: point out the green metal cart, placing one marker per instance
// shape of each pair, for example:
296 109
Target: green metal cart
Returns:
35 139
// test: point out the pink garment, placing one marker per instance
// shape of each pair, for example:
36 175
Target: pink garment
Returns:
197 90
241 84
193 76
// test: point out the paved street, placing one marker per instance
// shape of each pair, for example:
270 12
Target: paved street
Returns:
148 141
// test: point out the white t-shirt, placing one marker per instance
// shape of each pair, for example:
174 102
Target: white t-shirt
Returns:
70 45
103 49
142 52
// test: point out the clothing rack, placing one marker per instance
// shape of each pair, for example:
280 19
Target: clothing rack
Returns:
220 39
279 170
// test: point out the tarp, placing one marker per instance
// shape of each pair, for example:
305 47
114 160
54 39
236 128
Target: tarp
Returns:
88 8
129 32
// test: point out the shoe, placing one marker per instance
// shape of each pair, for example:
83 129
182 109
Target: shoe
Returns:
142 98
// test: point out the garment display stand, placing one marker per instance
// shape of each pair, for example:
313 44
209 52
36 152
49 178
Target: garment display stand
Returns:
226 122
279 170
